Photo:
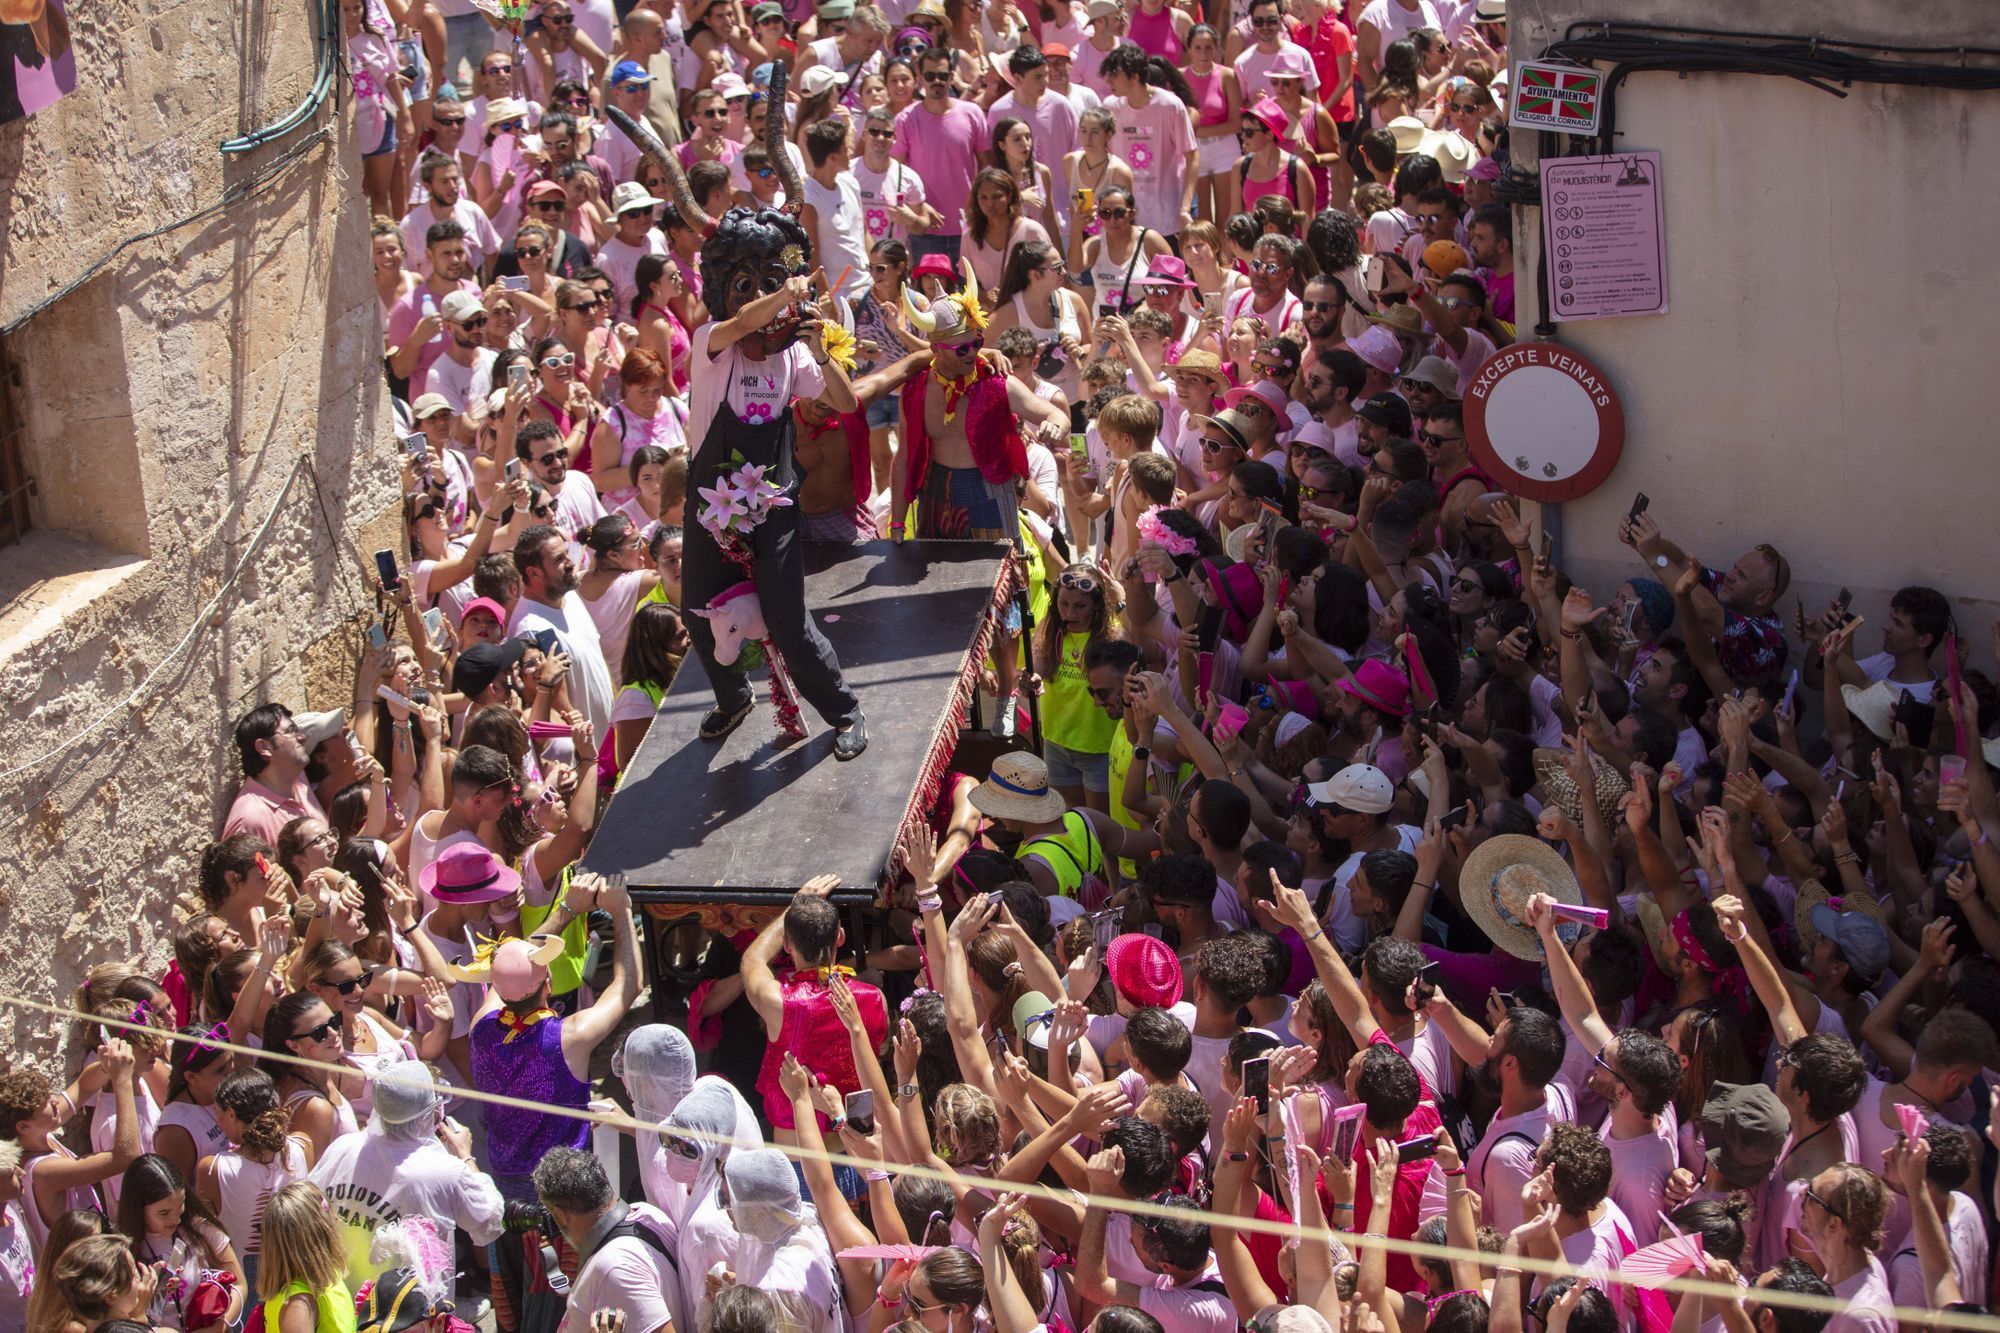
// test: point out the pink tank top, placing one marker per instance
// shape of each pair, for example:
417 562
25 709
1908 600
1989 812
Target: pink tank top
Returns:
1281 184
1211 102
814 1033
1154 34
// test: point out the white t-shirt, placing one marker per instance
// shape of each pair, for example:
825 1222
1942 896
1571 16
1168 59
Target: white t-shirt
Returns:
1865 1302
628 1274
1965 1234
1393 21
620 263
17 1270
1880 665
756 391
482 242
459 385
577 507
898 186
372 1180
576 635
1348 929
1189 1309
612 614
1204 1070
841 245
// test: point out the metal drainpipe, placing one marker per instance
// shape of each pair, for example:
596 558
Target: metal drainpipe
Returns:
328 42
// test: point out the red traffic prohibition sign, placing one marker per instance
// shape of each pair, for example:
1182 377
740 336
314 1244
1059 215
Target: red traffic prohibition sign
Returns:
1544 422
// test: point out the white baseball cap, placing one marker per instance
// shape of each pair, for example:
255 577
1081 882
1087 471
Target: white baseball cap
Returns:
1362 788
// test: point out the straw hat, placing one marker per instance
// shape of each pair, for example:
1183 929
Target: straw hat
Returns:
1813 894
1552 771
1500 876
1019 789
1403 319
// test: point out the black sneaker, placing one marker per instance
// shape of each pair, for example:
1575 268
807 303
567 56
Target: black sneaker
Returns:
850 743
719 724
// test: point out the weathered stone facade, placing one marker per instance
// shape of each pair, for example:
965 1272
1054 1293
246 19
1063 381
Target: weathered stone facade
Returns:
163 407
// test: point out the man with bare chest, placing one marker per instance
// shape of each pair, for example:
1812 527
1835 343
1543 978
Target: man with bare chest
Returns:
964 454
832 452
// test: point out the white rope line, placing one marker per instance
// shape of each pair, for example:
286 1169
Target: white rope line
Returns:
1601 1275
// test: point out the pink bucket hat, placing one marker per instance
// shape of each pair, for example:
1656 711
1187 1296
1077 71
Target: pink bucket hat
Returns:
1378 349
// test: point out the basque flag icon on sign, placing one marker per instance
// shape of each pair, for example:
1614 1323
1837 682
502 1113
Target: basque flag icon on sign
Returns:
1554 96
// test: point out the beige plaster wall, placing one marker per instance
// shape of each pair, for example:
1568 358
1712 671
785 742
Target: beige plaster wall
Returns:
1822 380
162 407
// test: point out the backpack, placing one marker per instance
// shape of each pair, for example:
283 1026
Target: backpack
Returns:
1091 890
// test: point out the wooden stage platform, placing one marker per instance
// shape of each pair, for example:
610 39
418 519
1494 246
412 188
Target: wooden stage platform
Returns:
748 820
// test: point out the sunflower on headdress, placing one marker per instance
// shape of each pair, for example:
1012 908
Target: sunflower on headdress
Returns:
838 344
975 314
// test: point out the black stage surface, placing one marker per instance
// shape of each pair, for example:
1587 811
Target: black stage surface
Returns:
751 819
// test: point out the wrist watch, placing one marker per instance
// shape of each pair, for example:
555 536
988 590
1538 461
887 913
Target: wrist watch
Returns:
907 1090
1142 753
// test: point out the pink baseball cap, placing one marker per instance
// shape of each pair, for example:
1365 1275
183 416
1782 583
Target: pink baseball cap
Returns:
1265 392
489 606
1144 970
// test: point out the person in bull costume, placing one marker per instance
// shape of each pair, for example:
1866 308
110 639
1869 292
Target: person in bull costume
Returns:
762 349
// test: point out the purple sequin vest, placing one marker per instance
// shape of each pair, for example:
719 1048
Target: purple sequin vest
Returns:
530 1067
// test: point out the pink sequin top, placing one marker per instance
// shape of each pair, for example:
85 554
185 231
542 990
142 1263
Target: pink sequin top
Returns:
813 1032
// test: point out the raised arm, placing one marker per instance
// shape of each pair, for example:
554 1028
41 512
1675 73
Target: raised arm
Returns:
1730 913
1578 1007
1295 910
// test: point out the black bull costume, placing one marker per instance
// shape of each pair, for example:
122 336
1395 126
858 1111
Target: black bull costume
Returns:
746 254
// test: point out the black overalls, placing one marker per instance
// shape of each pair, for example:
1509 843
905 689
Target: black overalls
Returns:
777 567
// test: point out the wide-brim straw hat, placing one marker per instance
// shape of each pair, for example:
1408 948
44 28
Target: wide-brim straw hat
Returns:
1018 788
1499 877
1813 894
1552 771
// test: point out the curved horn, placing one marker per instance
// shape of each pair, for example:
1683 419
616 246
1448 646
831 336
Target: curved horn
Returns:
649 143
774 144
923 321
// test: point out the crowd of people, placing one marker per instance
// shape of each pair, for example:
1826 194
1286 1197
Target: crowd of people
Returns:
1348 873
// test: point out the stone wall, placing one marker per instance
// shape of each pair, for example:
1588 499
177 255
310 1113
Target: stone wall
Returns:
1820 382
164 407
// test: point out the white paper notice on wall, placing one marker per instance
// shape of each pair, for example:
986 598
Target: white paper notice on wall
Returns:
1604 229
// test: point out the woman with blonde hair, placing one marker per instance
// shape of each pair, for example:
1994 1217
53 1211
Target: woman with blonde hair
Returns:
301 1274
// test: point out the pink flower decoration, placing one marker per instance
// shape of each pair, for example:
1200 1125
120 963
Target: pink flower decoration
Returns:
1162 536
757 412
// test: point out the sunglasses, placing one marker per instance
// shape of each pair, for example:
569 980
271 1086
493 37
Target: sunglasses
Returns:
1429 437
1320 307
557 360
1209 446
715 113
558 20
498 69
937 76
574 102
1082 582
1831 1211
445 121
474 324
1114 214
684 1148
1161 290
880 269
586 305
1464 108
881 134
511 127
764 173
529 252
1252 128
557 456
1454 302
319 1033
352 984
550 205
1265 22
1105 693
959 348
428 511
1266 266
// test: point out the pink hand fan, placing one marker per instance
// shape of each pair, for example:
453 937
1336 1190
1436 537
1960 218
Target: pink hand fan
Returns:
1662 1261
1913 1121
913 1253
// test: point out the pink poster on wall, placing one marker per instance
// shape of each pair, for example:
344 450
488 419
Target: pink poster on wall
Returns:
1604 225
37 58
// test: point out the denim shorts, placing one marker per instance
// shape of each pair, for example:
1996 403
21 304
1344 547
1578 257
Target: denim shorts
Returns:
885 411
1077 768
388 144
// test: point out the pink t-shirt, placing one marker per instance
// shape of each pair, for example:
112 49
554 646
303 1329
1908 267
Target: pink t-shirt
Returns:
1253 67
1054 121
407 313
898 186
259 810
944 150
757 391
1478 351
1155 140
1866 1302
1639 1170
